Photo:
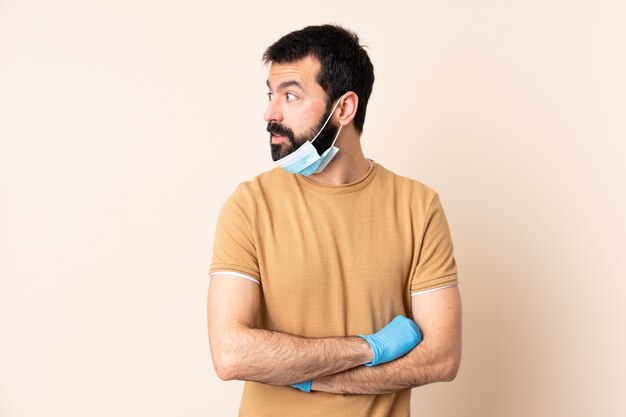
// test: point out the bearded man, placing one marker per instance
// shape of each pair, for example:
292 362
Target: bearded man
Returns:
331 275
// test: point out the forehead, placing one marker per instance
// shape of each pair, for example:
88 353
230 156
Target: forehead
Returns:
303 72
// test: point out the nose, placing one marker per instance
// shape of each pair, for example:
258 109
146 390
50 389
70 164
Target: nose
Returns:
272 112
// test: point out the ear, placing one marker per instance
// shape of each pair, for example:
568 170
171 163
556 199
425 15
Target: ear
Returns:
348 105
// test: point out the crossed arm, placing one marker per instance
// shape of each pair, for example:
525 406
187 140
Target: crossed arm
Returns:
241 351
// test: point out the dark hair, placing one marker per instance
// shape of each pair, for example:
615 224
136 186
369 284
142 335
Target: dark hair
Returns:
345 66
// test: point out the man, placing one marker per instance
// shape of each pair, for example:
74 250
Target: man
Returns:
313 258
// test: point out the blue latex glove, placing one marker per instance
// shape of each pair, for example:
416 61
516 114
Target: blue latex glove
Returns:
303 386
394 340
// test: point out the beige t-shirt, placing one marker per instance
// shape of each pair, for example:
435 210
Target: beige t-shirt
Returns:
332 261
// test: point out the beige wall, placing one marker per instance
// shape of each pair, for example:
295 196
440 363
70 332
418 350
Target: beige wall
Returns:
125 124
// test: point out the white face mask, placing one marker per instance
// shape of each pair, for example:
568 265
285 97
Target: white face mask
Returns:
305 160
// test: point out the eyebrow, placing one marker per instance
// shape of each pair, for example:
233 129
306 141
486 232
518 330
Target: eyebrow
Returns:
286 84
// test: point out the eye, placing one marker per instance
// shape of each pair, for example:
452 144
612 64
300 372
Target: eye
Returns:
269 96
291 96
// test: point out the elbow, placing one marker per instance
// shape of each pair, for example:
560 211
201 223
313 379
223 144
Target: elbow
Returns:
225 366
449 373
450 369
229 359
224 372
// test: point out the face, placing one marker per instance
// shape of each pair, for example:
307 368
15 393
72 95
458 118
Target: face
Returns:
298 107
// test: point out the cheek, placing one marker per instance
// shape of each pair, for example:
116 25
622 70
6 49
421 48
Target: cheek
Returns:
301 119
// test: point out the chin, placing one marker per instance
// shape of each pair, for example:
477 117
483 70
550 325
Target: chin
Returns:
280 151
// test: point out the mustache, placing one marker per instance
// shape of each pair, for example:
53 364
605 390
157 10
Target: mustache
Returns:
276 128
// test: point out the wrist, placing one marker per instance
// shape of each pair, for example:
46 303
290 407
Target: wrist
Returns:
316 385
321 384
365 352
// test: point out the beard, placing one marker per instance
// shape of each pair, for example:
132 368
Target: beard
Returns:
321 144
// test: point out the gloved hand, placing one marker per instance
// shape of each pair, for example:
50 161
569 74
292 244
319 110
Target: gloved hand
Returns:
303 386
394 340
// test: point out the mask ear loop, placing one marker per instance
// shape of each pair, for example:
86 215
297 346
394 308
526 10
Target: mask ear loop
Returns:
338 131
336 136
326 122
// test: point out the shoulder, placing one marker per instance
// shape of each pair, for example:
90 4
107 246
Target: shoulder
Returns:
262 186
404 186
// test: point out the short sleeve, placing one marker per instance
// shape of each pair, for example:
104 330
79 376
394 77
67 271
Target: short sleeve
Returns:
436 266
234 247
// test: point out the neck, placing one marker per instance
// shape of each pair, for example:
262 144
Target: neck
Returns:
349 165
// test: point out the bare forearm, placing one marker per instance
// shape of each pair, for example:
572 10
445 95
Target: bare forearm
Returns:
283 359
436 359
419 367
